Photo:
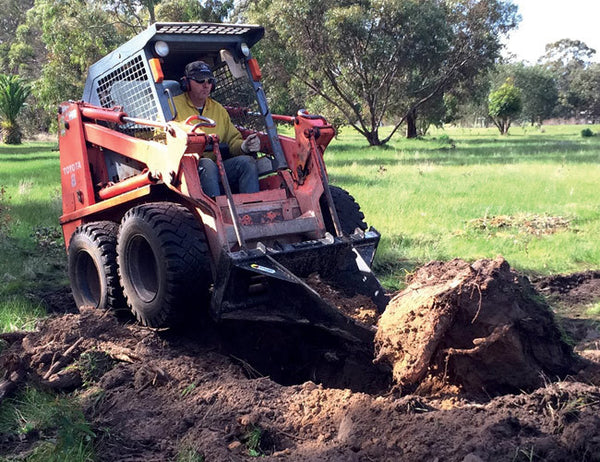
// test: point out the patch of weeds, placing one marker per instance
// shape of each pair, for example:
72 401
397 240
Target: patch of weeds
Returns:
256 440
189 454
17 313
521 224
587 132
252 440
92 365
188 390
5 217
55 426
563 408
48 237
445 139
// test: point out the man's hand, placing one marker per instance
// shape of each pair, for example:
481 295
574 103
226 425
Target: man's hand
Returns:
251 144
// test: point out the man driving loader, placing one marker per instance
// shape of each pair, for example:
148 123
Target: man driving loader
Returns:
197 84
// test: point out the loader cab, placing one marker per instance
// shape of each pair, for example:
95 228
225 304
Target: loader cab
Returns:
144 75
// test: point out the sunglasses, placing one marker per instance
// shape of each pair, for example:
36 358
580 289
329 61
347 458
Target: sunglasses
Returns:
203 81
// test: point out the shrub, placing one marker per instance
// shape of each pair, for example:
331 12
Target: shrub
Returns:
587 132
444 138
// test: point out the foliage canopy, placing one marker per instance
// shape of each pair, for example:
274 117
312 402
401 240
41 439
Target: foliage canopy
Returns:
369 62
504 105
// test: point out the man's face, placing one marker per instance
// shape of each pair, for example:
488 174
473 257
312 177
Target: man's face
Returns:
200 88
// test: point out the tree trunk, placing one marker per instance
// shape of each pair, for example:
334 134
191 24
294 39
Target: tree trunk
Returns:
373 137
11 133
411 124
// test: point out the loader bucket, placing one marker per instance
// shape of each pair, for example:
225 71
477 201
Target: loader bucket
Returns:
269 284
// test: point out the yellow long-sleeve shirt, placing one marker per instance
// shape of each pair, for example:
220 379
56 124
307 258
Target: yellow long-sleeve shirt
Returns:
224 129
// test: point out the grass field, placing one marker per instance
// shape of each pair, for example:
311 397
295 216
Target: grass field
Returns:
470 193
31 256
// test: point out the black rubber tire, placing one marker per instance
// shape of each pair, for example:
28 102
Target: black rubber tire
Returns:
347 209
93 266
163 263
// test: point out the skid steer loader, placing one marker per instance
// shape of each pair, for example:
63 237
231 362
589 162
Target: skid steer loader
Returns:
138 228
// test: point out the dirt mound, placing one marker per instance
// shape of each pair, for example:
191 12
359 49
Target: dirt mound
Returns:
477 327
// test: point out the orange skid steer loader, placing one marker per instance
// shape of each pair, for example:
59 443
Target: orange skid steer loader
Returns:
139 230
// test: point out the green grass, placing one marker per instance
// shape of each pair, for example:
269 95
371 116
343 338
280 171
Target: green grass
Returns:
18 313
54 422
593 310
423 196
31 251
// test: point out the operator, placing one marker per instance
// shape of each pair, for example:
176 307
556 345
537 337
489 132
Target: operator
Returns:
197 83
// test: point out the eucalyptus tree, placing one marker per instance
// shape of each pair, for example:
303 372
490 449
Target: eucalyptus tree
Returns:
370 62
584 93
57 43
566 59
194 10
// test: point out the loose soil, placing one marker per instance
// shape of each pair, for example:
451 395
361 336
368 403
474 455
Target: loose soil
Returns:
479 385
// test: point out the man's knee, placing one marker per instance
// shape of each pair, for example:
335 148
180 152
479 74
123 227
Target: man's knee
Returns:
206 165
247 163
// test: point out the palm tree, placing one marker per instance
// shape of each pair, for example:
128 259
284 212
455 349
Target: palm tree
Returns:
13 93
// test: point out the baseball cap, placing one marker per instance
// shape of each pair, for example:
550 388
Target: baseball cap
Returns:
198 70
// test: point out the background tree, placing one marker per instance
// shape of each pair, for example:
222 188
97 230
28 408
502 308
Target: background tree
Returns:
370 61
193 10
539 90
565 59
13 94
477 27
584 93
539 93
56 45
132 16
13 14
504 105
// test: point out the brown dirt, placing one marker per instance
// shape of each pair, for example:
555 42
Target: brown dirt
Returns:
154 392
477 327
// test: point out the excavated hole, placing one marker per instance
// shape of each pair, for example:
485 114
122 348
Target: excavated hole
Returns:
292 355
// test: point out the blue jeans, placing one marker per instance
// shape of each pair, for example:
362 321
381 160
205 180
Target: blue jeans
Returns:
241 173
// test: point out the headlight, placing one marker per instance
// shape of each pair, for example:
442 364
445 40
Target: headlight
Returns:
161 48
245 49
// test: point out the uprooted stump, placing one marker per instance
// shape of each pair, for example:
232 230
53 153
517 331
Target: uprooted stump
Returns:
479 327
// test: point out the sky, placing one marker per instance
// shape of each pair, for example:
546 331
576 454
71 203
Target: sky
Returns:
547 21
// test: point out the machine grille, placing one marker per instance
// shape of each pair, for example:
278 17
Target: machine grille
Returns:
239 98
130 86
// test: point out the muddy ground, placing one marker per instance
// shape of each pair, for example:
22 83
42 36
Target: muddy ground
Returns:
237 392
